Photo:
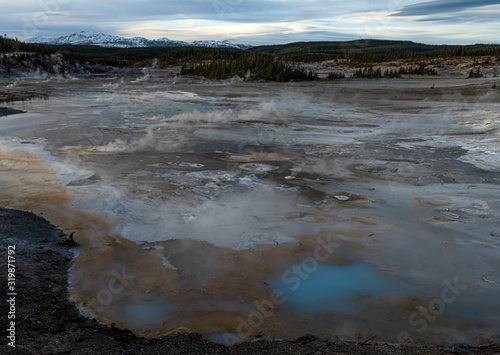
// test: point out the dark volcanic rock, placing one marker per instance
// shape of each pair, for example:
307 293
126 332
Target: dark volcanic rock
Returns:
4 111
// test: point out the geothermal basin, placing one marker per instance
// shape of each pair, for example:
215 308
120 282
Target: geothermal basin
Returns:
242 210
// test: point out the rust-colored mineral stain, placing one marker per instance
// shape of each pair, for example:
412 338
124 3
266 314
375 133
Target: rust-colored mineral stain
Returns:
432 202
251 158
366 221
235 95
324 209
360 198
316 219
85 150
28 183
439 218
489 246
91 231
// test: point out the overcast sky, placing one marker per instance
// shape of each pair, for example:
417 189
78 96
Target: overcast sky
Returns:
260 21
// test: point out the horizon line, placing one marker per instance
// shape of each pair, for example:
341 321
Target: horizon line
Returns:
265 45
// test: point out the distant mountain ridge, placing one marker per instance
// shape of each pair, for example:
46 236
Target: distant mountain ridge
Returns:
85 38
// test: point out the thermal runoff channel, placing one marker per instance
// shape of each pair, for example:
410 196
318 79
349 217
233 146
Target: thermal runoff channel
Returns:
243 210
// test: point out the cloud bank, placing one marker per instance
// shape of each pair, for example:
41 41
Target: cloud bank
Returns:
261 21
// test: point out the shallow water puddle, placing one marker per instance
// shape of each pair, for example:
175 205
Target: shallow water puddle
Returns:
146 315
317 287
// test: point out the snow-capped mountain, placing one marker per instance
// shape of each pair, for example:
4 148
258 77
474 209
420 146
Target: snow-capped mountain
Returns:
85 38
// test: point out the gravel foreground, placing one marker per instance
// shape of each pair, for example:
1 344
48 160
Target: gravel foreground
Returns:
46 322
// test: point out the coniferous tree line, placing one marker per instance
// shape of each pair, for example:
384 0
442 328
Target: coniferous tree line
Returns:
420 70
370 73
20 51
475 74
373 51
13 45
391 74
250 66
366 57
182 54
335 76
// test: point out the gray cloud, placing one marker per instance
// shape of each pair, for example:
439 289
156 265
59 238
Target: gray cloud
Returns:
254 11
277 38
241 11
269 21
442 6
462 18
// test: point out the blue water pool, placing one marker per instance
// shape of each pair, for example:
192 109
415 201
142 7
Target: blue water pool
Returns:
316 287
